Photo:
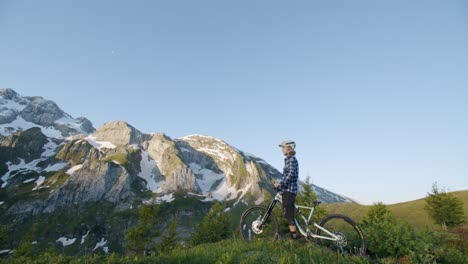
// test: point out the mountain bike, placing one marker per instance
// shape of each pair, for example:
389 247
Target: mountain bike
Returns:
336 232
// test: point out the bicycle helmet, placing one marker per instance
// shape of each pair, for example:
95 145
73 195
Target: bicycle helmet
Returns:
288 143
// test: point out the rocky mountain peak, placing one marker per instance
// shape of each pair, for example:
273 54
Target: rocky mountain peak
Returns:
119 133
19 113
8 93
41 111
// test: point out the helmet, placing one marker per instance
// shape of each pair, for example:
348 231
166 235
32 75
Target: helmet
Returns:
289 143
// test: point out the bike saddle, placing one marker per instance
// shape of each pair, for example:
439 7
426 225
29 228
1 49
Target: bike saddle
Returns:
316 202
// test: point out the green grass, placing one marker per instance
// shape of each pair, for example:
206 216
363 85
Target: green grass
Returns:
227 251
412 212
55 180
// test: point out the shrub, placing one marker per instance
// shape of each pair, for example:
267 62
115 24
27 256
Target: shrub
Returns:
388 237
213 228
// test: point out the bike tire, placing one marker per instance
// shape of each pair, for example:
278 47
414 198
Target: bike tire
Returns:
353 240
255 213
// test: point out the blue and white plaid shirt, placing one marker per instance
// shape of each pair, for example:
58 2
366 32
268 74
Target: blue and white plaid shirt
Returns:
290 174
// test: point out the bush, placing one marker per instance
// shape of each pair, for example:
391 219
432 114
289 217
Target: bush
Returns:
452 255
398 242
213 228
457 238
388 237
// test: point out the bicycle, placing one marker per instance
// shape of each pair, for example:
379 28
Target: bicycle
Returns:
336 232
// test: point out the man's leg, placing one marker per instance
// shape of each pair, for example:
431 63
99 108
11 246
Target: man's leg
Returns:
292 228
288 203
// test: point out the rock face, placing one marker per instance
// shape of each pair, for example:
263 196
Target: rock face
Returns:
225 172
120 134
177 174
41 112
95 181
27 145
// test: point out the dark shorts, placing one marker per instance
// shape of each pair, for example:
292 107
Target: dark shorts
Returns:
288 206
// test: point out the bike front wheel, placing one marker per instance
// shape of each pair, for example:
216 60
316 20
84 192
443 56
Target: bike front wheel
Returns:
251 228
350 239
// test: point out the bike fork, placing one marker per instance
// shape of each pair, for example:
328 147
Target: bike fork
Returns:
267 213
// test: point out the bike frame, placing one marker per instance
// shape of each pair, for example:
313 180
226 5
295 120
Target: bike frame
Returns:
307 232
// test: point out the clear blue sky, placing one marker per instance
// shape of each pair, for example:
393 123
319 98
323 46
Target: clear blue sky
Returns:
374 92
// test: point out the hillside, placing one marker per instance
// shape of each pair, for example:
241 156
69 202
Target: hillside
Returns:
412 212
227 251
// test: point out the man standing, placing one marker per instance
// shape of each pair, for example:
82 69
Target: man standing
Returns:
288 184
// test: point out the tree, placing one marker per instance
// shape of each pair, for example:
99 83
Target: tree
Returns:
140 238
377 214
307 196
214 226
386 236
169 241
444 208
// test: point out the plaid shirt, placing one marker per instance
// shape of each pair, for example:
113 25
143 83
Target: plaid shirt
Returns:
290 174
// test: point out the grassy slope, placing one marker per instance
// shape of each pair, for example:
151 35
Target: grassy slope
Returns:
413 212
227 251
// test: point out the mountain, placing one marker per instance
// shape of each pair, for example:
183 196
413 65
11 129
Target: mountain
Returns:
48 149
53 165
23 112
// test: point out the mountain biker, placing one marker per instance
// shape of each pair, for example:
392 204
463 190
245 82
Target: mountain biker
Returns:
288 184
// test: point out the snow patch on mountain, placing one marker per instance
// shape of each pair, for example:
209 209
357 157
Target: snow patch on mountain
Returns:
207 177
6 104
19 124
17 168
39 182
226 192
83 238
165 198
99 144
56 167
70 122
218 153
148 172
218 149
49 148
101 244
29 180
66 241
74 169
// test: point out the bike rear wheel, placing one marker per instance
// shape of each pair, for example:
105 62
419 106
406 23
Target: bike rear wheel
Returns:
251 228
351 238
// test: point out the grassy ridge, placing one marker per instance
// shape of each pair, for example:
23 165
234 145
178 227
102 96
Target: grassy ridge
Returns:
412 212
227 251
